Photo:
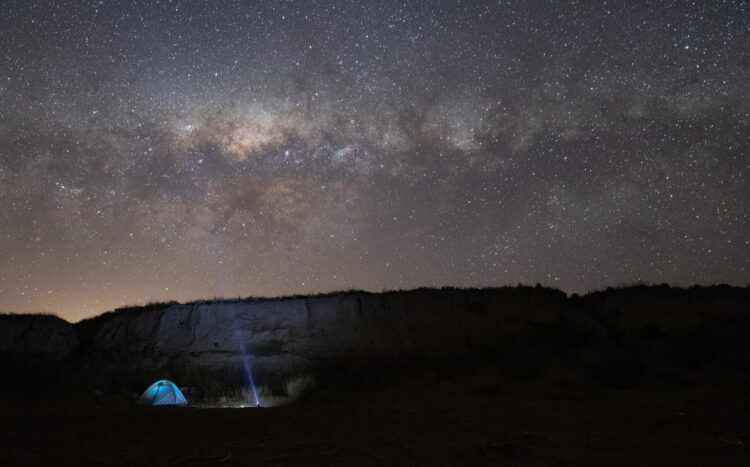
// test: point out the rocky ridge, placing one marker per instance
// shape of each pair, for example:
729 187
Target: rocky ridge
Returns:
294 334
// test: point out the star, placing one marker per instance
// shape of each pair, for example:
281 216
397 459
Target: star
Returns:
271 148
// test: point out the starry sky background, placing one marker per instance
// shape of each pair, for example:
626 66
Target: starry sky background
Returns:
180 150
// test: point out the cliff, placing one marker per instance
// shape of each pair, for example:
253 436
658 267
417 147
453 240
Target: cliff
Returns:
289 335
292 334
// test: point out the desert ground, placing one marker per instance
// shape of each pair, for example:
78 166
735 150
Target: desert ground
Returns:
477 414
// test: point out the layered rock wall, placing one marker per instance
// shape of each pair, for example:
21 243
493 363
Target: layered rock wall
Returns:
291 333
287 335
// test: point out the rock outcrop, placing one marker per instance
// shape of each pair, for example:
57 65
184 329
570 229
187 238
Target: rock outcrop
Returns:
632 326
38 335
289 334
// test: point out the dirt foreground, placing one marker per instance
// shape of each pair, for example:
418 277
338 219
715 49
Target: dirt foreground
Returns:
478 419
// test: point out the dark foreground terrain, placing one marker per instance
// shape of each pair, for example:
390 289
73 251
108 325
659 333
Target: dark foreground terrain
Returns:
478 416
643 375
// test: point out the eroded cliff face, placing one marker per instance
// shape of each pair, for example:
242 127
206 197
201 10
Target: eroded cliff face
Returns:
606 331
293 334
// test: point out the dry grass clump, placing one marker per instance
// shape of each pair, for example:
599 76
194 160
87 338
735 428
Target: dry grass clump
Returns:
300 387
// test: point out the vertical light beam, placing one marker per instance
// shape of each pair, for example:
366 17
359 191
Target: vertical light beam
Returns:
245 357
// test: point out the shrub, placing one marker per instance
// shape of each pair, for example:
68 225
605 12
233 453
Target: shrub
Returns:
300 387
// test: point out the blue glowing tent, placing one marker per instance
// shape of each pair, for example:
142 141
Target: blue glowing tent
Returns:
162 392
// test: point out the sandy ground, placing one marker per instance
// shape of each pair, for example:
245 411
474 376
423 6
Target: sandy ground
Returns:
478 419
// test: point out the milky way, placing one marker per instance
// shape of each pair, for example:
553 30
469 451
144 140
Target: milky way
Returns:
180 150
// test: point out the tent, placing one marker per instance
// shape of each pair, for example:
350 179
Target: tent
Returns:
162 392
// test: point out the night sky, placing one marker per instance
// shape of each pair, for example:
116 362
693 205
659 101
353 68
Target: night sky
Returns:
182 150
